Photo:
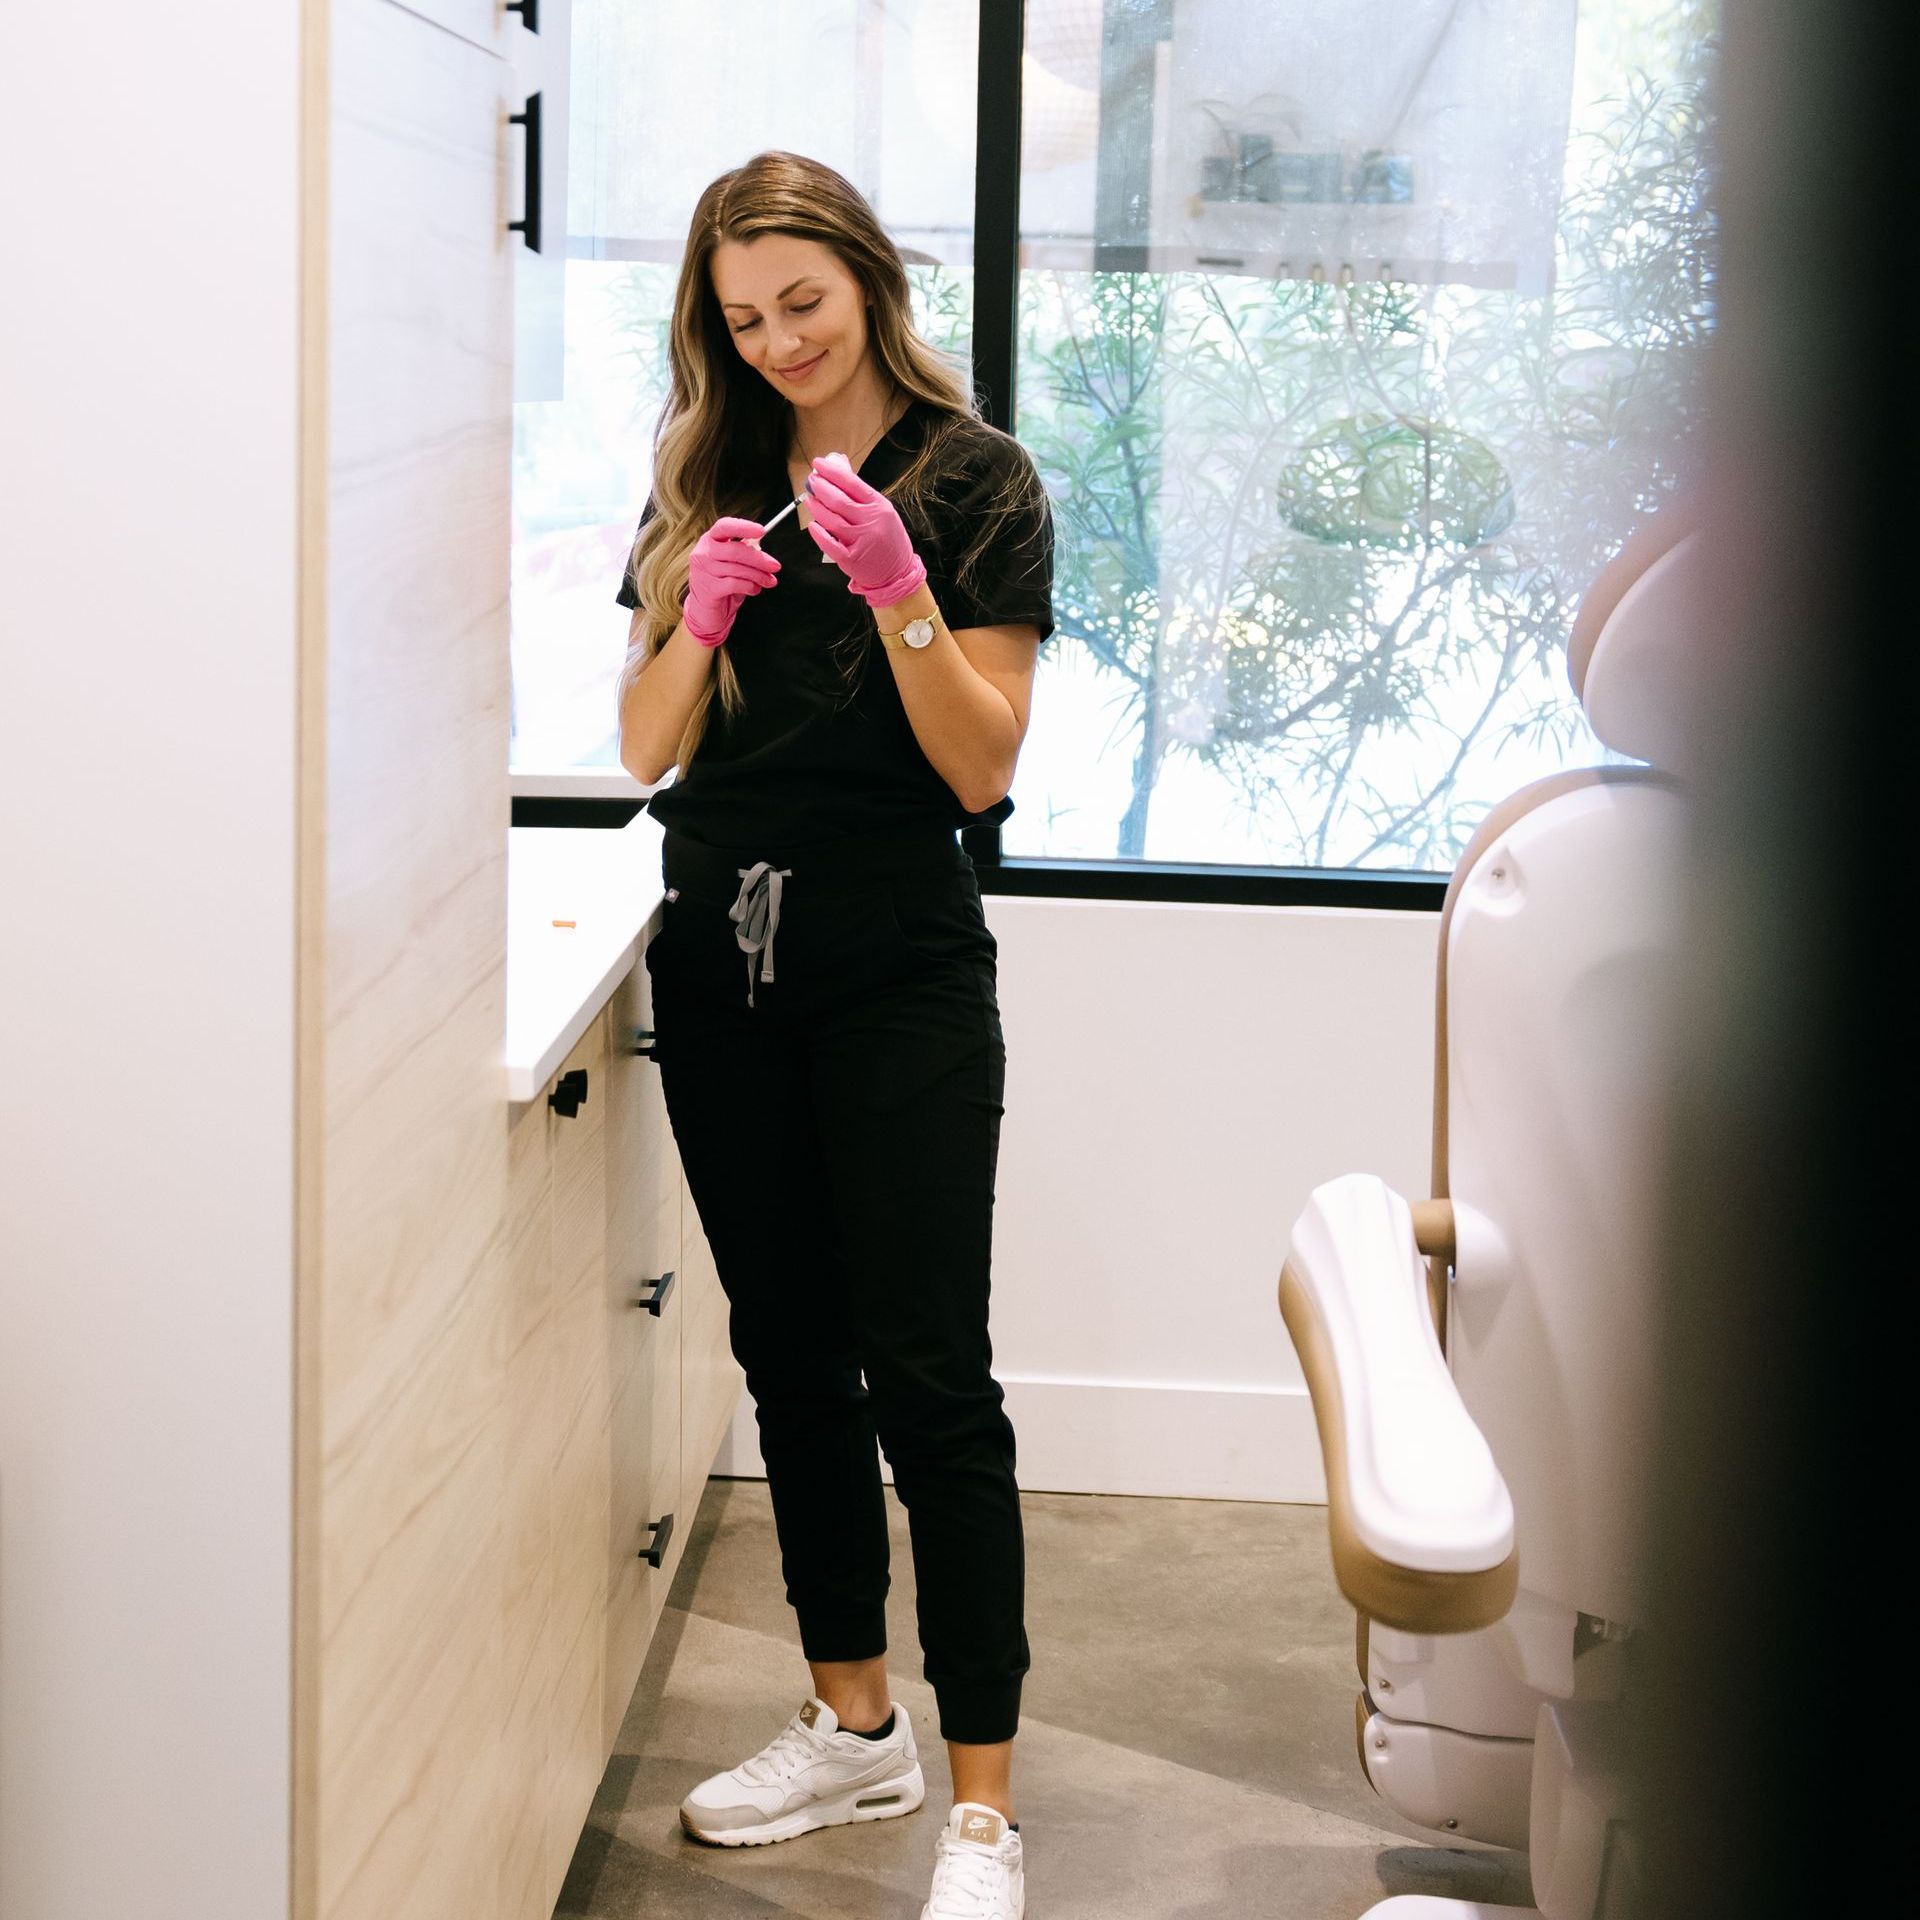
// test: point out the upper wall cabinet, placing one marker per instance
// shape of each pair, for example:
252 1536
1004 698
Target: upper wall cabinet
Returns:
405 1283
486 23
542 64
491 1490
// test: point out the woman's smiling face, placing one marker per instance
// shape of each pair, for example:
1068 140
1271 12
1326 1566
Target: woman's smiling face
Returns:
796 314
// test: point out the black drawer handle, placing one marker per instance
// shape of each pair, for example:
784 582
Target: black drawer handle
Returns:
530 119
656 1298
529 12
641 1035
662 1531
568 1092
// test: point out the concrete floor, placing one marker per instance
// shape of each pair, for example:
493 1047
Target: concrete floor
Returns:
1186 1740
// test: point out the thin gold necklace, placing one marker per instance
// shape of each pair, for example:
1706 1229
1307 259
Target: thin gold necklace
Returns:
807 459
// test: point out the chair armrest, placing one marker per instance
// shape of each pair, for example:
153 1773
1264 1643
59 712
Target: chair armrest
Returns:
1420 1519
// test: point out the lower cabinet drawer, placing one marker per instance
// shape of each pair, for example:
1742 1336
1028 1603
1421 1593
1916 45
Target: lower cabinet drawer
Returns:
642 1172
646 1292
528 1439
576 1629
617 1316
579 1174
579 1481
644 1511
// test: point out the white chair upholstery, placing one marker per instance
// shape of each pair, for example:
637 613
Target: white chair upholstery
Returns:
1486 1435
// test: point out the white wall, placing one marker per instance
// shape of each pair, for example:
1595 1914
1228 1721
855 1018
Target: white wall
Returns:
148 360
1179 1077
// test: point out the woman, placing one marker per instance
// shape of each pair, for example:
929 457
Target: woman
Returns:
839 700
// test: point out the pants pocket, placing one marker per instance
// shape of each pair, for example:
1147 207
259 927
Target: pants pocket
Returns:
941 919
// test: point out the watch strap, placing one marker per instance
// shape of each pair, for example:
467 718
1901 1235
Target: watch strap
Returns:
900 639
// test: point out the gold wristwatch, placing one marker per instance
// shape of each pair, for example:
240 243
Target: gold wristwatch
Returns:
916 633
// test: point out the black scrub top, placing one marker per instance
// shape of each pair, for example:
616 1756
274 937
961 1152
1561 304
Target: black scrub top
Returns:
810 759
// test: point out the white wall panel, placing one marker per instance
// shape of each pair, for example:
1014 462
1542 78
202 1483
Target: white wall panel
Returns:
149 364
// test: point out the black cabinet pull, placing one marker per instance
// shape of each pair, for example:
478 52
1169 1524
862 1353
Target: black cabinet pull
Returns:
529 12
568 1092
662 1531
530 119
656 1298
641 1035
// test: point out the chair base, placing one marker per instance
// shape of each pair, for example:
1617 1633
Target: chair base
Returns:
1426 1906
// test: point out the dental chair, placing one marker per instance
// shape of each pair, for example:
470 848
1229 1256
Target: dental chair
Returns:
1479 1360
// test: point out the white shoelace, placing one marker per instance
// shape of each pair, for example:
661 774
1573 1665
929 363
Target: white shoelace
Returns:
966 1882
794 1745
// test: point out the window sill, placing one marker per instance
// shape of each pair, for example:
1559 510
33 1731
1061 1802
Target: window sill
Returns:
578 783
610 797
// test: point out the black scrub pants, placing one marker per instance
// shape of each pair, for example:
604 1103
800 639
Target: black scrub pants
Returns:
839 1136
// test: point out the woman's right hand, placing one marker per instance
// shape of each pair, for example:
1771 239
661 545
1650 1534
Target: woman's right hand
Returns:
722 571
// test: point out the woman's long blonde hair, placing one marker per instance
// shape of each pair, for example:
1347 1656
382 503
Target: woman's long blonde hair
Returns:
723 427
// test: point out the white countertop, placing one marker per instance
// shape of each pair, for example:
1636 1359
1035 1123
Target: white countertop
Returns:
605 881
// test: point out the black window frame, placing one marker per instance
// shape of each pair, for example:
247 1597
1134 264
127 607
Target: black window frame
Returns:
996 297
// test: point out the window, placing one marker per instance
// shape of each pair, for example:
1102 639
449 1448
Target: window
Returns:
1353 338
662 97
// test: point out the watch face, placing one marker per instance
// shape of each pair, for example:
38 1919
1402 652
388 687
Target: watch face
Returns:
919 633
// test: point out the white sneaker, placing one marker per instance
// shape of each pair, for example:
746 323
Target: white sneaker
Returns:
809 1775
978 1873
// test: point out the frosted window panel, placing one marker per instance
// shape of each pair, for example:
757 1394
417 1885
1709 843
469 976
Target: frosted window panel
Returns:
1422 137
881 90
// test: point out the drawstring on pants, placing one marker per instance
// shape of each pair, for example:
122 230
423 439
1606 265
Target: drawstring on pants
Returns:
756 916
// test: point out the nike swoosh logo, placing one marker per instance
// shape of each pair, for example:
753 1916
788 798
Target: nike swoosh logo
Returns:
809 1783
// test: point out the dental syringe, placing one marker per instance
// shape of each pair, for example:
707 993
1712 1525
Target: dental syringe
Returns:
797 499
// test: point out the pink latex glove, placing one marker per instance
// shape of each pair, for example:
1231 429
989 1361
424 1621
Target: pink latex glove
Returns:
858 529
722 571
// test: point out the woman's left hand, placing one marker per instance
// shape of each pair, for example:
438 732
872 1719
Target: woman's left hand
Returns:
858 529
